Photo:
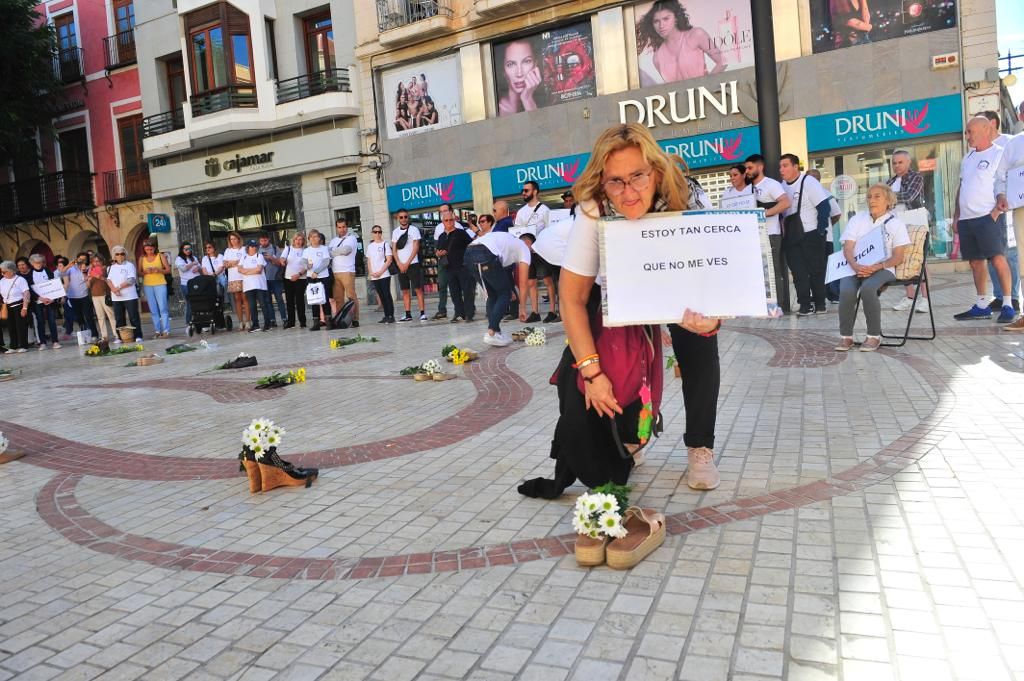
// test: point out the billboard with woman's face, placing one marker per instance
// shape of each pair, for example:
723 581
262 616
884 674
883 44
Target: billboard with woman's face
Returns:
844 23
682 39
422 96
547 68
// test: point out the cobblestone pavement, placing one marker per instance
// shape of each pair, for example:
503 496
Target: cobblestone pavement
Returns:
869 525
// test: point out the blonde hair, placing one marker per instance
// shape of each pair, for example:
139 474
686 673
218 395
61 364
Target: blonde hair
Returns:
673 188
887 192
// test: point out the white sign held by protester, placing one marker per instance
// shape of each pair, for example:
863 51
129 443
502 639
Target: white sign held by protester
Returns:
51 289
657 267
1015 187
551 243
869 250
741 202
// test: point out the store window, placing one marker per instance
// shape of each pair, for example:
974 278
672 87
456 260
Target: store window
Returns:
272 213
938 161
319 42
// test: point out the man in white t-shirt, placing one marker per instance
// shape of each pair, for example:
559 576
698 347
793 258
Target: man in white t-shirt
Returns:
344 248
1013 157
804 236
773 198
834 213
1003 140
487 258
979 223
533 218
405 243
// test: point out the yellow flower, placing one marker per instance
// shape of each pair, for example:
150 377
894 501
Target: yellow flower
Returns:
301 375
335 344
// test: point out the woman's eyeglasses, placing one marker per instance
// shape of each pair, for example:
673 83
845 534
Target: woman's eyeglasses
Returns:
377 231
638 181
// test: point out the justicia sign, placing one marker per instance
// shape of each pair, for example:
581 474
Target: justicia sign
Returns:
905 120
716 148
551 173
431 193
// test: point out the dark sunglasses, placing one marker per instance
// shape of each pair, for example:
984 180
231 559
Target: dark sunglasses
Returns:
377 231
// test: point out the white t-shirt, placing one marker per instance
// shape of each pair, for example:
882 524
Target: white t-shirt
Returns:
295 259
316 256
897 184
77 286
733 193
254 282
896 234
344 263
378 254
217 263
234 254
507 247
185 270
403 254
814 194
977 182
13 290
532 219
120 273
769 190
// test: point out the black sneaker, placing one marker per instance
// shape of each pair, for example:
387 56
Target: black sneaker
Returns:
253 330
552 317
805 310
508 318
406 318
315 327
456 319
423 317
820 309
355 323
389 320
383 320
996 305
439 315
533 318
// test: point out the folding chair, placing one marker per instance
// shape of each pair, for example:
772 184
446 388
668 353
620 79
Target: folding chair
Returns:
913 271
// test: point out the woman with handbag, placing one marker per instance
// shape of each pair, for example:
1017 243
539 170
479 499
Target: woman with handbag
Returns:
382 262
295 267
610 379
100 294
232 254
14 303
318 261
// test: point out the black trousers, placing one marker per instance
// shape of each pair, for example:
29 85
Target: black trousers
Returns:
806 262
295 300
17 327
326 307
84 314
387 301
702 377
462 287
131 309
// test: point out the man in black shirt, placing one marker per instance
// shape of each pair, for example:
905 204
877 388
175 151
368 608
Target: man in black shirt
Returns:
452 242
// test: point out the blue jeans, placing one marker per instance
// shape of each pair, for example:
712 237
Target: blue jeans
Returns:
997 289
263 297
46 316
487 269
275 288
156 296
183 291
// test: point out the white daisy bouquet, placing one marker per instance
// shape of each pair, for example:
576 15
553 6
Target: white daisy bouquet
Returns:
431 366
600 512
3 443
537 337
261 438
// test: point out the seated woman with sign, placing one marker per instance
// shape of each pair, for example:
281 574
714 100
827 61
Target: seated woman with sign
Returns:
610 379
868 279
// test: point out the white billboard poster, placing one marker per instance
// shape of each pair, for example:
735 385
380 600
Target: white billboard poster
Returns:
422 96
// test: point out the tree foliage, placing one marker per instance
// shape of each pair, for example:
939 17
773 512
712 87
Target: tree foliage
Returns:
29 89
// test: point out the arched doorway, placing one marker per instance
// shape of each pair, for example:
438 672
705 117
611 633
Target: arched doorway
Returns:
136 240
88 241
37 247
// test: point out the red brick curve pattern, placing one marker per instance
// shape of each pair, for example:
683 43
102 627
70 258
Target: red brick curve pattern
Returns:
504 392
58 506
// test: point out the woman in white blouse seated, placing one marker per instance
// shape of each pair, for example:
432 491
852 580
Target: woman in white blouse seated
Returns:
628 175
869 278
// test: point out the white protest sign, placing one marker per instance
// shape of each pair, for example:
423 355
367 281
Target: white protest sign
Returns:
1015 187
869 250
711 262
551 242
51 289
741 202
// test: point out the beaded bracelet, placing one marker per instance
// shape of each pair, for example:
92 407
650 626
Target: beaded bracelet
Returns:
713 332
587 362
590 379
580 363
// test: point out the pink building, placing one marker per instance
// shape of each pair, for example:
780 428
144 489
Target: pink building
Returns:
91 190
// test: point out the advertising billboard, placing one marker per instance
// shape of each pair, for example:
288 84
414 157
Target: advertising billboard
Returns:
422 96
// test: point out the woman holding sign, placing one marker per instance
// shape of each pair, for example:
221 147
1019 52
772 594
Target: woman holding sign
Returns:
610 379
868 279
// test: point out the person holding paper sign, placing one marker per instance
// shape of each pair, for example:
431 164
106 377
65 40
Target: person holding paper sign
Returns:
870 278
740 193
44 309
610 379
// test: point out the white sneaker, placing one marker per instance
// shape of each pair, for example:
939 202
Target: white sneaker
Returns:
57 346
702 473
498 340
904 304
922 305
138 340
42 346
117 341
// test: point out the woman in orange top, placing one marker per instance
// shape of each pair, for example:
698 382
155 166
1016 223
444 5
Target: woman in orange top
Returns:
154 267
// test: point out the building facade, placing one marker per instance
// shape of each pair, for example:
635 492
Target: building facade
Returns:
252 117
469 98
89 189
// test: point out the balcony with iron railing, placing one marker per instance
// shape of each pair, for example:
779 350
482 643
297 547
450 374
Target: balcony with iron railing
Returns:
165 122
224 98
121 185
312 84
46 195
119 49
401 20
69 64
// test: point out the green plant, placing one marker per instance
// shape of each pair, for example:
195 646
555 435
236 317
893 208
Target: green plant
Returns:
409 371
447 350
620 492
671 362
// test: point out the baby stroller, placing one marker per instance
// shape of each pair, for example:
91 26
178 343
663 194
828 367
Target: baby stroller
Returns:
207 305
